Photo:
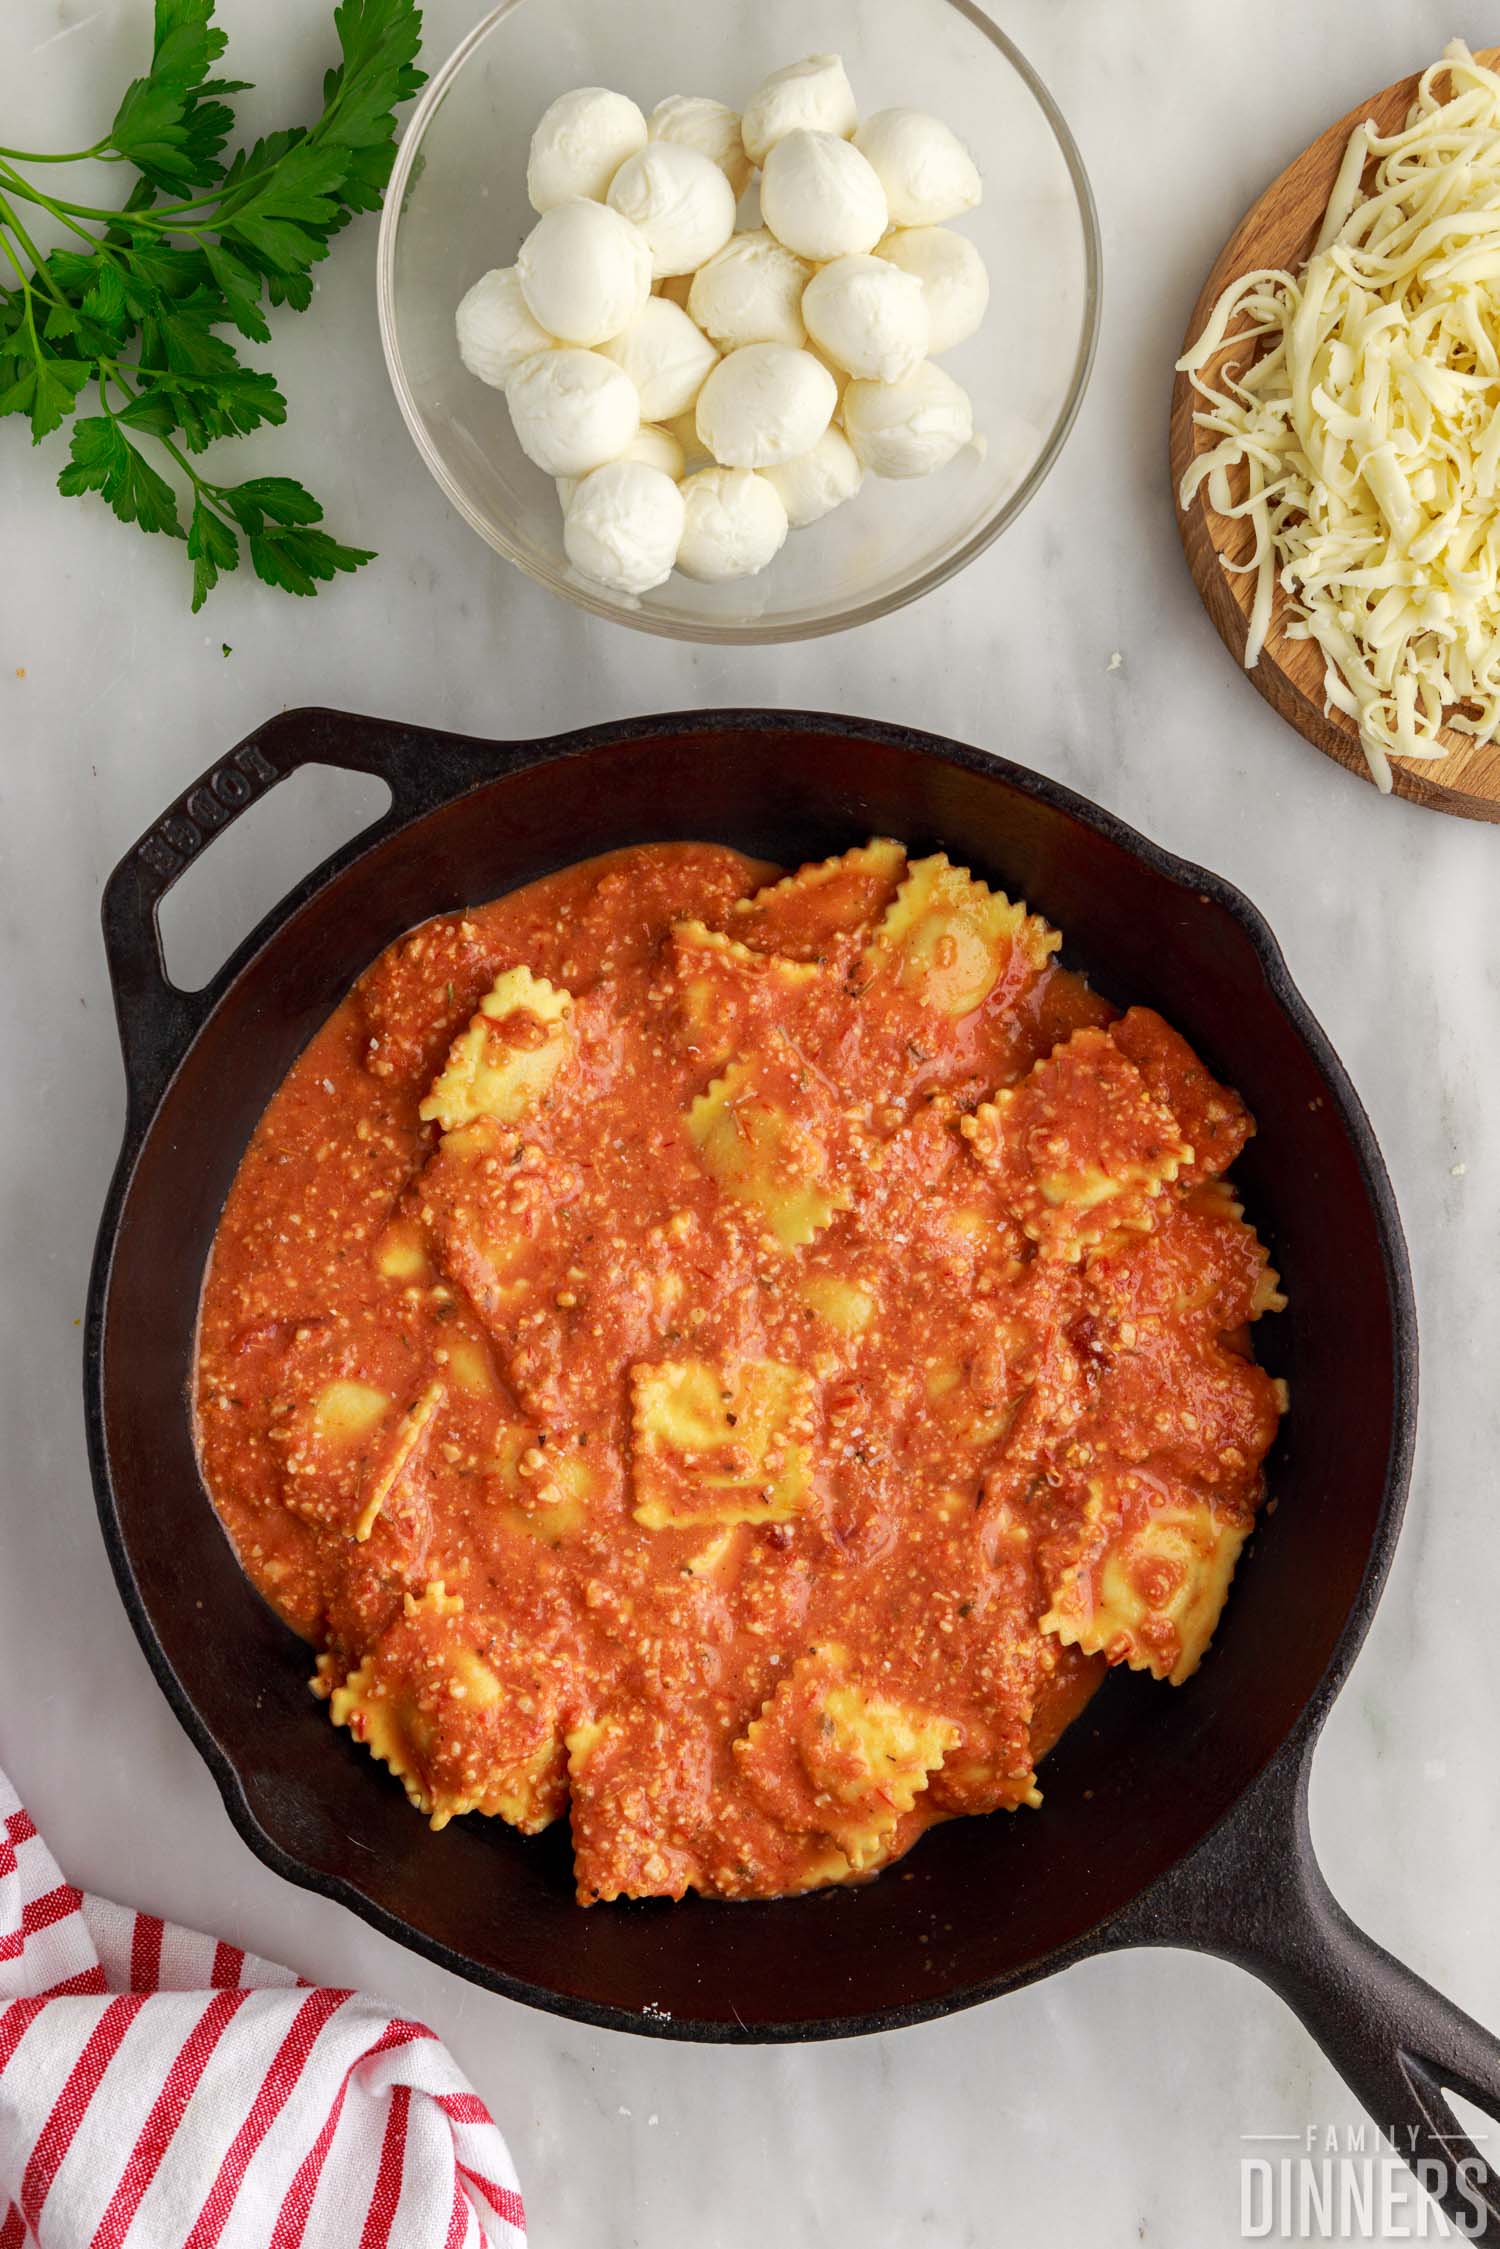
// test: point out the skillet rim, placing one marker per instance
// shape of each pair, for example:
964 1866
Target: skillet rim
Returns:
1132 1922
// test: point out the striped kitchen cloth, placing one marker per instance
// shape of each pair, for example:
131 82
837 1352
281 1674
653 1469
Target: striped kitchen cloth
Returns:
161 2090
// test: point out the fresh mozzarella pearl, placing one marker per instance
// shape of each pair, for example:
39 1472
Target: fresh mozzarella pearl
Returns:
695 453
495 330
624 525
580 144
666 357
712 128
680 201
585 272
751 293
954 283
817 482
869 316
658 448
764 404
733 524
927 173
840 374
820 197
813 96
572 410
906 429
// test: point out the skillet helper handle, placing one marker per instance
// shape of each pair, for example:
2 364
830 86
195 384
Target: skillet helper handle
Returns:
157 1019
1255 1894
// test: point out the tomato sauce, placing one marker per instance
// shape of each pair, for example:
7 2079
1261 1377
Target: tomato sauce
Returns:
734 1360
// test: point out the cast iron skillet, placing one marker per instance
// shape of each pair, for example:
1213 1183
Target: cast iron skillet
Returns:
1173 1818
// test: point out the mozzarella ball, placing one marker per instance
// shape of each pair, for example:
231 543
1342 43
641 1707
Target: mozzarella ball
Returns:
658 448
712 128
927 173
680 201
906 429
666 358
751 293
869 316
840 374
733 524
812 96
495 330
623 526
763 404
695 453
955 286
572 410
817 482
580 144
820 197
585 272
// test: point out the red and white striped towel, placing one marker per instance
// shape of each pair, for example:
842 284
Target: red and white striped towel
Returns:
160 2090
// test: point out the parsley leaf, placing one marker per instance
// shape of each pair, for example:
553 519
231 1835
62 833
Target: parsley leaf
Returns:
104 298
380 44
280 498
297 560
43 386
229 405
239 286
213 547
287 220
104 460
172 125
277 516
151 411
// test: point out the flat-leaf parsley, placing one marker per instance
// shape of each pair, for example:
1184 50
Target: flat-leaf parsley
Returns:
134 308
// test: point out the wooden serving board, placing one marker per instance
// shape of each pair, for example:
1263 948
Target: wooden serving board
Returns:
1280 230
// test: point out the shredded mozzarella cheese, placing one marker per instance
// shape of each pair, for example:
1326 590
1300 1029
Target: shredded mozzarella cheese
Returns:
1362 442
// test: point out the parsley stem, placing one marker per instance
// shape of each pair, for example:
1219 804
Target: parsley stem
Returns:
20 270
72 156
28 194
17 186
16 228
61 208
36 342
41 274
8 217
165 221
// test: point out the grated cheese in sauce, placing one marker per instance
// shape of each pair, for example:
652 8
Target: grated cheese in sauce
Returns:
1363 442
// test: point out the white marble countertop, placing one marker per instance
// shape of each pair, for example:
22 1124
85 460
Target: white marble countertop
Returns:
1011 2121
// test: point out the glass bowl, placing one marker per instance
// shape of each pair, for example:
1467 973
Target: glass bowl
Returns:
457 206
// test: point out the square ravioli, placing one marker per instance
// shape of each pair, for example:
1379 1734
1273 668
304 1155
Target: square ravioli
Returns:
1080 1148
1146 1575
831 1757
716 1445
806 915
767 1133
947 940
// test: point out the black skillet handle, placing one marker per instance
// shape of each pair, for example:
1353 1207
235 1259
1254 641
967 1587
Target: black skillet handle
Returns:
1254 1894
158 1020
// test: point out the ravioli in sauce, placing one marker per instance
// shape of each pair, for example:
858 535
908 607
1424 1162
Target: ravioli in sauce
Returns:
731 1361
